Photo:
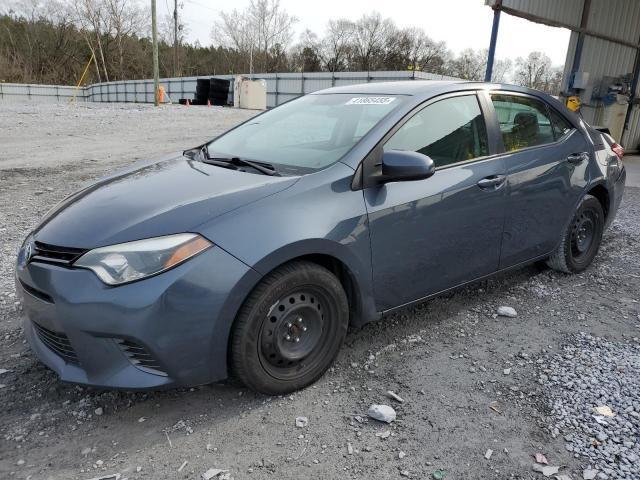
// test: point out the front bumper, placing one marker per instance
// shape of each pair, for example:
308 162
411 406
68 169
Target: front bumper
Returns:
168 330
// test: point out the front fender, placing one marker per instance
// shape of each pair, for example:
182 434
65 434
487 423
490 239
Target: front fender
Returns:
359 273
319 215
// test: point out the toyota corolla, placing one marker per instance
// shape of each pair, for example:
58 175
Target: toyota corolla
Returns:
252 254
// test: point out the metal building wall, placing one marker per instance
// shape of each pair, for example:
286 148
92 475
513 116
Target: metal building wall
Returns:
616 18
600 58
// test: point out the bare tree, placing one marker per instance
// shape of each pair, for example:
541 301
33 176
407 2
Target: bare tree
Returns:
501 70
31 52
472 65
336 44
534 71
274 26
47 41
166 32
262 30
469 64
93 20
125 18
370 35
305 55
412 48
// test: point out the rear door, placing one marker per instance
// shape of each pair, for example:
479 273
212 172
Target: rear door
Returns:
429 235
546 160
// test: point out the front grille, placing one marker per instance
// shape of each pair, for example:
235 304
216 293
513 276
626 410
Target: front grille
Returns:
140 357
58 342
43 252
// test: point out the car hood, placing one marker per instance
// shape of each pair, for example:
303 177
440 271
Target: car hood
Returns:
169 196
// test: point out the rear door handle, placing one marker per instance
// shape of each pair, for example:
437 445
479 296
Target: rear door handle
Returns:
576 158
492 182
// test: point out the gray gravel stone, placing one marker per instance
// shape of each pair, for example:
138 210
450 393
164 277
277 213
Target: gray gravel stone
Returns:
507 312
592 372
382 413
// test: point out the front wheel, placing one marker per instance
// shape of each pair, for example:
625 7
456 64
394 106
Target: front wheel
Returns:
290 329
581 240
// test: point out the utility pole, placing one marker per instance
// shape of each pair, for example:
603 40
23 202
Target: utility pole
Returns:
175 38
154 39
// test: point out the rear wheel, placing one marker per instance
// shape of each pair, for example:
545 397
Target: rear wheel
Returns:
290 329
581 240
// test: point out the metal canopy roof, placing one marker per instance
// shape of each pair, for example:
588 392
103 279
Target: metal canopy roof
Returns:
616 21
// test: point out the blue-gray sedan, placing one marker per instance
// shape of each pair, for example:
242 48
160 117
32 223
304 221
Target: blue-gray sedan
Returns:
252 254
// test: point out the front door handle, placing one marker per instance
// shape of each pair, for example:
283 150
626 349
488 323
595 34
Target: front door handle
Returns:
492 182
576 158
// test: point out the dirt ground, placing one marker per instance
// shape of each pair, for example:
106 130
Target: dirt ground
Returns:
470 380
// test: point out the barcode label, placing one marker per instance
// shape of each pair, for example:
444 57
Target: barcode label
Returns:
370 101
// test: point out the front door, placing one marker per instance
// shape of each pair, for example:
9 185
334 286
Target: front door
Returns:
429 235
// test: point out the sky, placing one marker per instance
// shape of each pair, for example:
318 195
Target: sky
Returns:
461 23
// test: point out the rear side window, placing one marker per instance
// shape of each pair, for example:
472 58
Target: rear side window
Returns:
449 131
524 121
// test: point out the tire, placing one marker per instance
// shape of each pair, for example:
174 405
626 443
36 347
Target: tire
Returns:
219 93
215 89
219 83
203 83
581 240
218 96
298 300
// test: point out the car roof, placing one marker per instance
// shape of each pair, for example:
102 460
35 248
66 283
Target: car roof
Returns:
425 88
422 89
404 87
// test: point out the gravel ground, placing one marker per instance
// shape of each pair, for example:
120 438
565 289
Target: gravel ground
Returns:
589 374
482 393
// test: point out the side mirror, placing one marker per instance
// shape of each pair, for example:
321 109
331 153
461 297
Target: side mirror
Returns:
402 165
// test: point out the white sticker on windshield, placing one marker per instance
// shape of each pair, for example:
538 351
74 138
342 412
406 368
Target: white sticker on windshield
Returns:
370 101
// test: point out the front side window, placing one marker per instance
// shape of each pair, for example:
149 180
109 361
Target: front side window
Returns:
524 121
449 131
306 134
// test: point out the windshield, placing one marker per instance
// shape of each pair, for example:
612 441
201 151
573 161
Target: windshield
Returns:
306 134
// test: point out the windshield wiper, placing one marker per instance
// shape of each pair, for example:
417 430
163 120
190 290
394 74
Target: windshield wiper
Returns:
265 168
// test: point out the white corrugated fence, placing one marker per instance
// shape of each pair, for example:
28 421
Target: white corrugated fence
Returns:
281 87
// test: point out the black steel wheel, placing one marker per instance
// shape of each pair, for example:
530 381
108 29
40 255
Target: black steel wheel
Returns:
581 240
583 232
290 329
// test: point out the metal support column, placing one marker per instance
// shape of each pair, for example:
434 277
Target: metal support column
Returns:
632 98
494 39
577 55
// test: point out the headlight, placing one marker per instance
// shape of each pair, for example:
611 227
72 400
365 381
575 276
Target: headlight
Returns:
126 262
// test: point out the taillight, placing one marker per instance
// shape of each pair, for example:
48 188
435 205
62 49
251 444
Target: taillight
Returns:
618 150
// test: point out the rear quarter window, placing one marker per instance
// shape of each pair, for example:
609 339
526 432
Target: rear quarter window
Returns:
560 125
